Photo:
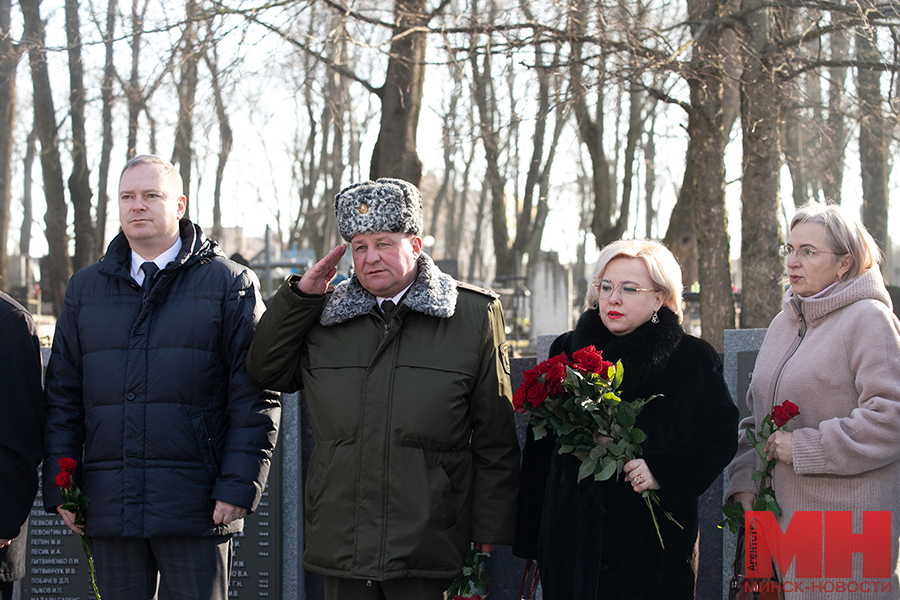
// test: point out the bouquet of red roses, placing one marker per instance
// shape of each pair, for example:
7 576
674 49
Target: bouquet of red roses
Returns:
76 502
578 400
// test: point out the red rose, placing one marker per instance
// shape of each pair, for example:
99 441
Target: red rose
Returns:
555 378
554 389
67 464
519 397
64 480
784 413
529 376
588 359
557 373
559 359
542 368
537 394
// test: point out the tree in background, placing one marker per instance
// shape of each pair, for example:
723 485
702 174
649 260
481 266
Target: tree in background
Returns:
9 61
548 111
58 264
761 265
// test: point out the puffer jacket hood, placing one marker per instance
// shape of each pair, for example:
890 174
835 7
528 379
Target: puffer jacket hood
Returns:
868 286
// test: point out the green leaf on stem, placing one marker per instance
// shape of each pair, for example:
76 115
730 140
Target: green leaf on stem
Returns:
638 436
586 469
608 470
619 374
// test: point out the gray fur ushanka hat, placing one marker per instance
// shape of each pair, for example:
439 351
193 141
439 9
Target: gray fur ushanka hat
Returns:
391 205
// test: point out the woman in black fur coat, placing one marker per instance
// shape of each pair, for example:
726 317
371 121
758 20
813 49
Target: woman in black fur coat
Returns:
596 539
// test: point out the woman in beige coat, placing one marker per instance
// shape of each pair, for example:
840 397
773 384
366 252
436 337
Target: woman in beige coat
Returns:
834 351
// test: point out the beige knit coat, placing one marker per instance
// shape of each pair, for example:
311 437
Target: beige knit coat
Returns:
838 359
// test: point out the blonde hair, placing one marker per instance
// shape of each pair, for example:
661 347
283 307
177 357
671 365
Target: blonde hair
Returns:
844 233
660 262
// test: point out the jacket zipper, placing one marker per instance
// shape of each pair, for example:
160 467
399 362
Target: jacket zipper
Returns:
801 334
387 454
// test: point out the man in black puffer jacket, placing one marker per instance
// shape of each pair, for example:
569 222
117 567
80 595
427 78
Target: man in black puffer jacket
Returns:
147 383
21 416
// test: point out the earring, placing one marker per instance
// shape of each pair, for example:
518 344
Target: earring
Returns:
654 318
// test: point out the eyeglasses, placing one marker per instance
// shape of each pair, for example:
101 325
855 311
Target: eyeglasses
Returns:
627 289
803 252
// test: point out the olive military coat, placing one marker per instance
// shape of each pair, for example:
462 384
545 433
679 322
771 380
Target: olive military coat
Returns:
416 452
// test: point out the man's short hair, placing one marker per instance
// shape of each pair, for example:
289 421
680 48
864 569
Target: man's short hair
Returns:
172 174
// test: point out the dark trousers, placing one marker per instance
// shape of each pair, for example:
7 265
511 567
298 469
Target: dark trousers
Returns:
403 588
183 568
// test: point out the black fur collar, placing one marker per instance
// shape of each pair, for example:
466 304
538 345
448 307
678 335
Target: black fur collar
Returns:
644 352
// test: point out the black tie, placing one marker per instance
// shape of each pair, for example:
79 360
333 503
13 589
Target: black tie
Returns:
150 270
387 307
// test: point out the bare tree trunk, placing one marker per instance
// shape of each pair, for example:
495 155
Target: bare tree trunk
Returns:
460 207
543 208
225 140
814 128
733 63
106 97
27 204
183 152
835 138
485 98
449 137
134 92
792 116
635 129
872 129
475 257
79 181
761 266
9 60
707 143
394 154
525 219
649 149
338 91
590 129
308 168
59 268
314 222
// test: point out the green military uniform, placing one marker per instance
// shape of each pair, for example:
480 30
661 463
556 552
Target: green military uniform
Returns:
416 452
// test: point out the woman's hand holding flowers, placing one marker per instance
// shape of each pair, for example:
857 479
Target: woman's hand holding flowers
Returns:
578 401
745 499
638 473
778 446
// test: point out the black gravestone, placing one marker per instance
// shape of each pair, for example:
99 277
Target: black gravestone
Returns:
256 569
56 567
